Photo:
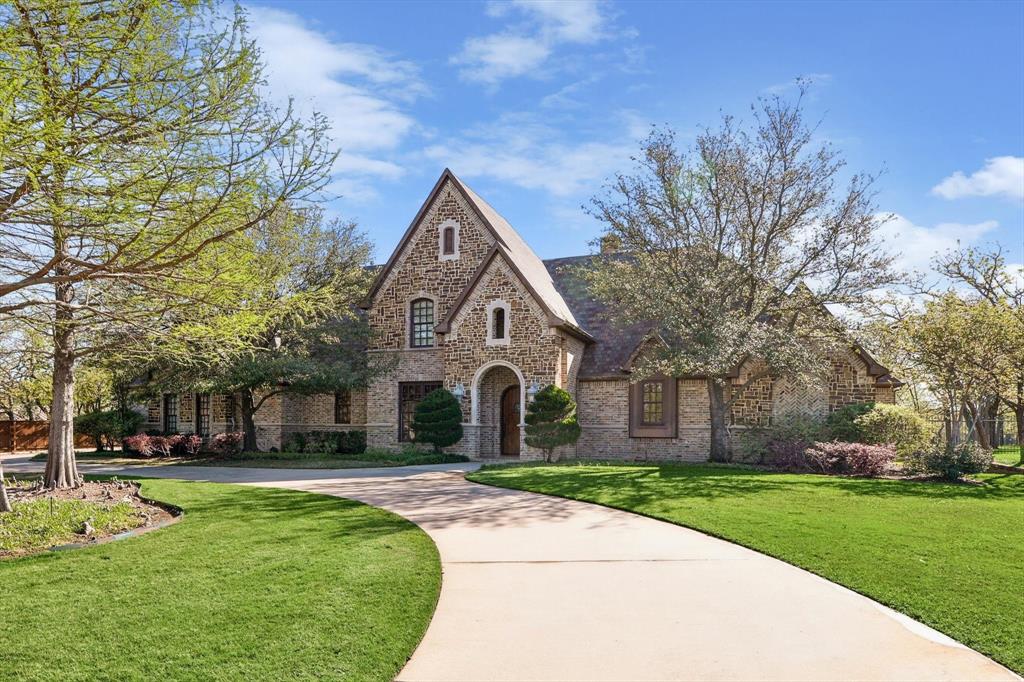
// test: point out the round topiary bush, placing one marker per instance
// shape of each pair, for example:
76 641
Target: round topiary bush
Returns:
438 420
551 420
896 425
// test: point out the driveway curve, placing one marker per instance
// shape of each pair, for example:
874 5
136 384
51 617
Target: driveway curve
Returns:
542 588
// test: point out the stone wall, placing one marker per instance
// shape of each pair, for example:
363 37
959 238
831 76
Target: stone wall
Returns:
534 347
382 394
419 269
604 416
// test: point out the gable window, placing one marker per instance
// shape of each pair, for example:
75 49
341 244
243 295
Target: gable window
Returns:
497 323
342 407
170 412
652 408
421 323
410 393
448 240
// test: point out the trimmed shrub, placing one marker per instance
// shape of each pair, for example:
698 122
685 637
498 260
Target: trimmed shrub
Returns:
842 424
164 446
227 444
954 462
901 426
781 445
109 426
138 446
850 459
551 420
188 445
438 420
352 442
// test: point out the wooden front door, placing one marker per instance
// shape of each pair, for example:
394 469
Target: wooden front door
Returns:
510 422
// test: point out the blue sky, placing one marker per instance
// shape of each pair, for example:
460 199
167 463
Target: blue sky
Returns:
536 104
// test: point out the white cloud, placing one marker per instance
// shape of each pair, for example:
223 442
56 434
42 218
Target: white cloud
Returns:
914 246
359 88
525 47
1001 176
521 150
492 58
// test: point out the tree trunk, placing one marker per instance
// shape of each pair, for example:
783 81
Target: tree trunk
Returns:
61 467
1018 412
719 421
5 504
248 421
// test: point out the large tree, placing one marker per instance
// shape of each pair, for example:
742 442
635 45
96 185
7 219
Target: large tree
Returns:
730 250
999 288
307 338
135 146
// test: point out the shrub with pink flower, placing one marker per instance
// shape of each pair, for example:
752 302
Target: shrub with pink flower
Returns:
139 445
851 459
227 443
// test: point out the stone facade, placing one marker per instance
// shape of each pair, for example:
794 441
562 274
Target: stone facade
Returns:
490 270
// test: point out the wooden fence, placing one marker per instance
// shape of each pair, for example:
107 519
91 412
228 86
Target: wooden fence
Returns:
32 435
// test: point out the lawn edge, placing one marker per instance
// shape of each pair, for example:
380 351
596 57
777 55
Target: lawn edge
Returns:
738 544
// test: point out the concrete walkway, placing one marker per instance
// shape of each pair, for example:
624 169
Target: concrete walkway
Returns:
539 588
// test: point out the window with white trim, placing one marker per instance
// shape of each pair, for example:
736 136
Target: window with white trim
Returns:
448 240
498 323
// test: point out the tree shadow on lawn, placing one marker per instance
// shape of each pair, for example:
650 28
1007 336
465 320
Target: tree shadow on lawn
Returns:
710 482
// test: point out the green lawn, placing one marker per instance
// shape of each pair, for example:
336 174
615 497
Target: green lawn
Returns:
252 584
1012 455
39 524
949 555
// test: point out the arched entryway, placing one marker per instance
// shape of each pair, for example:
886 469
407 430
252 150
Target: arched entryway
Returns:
497 409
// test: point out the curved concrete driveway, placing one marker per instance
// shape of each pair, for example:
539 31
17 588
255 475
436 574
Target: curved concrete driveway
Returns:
540 588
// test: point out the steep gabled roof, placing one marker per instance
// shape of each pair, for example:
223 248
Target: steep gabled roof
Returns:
553 318
521 257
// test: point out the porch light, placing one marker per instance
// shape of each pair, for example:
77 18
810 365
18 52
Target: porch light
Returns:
533 390
459 391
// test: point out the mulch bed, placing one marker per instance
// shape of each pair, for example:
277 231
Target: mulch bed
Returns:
104 493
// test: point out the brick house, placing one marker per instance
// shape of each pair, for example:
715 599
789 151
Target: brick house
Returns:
465 304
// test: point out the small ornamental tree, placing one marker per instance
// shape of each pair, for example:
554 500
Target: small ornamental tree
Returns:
551 420
438 420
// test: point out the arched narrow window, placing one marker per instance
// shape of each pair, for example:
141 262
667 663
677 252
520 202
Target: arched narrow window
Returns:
448 241
421 323
499 323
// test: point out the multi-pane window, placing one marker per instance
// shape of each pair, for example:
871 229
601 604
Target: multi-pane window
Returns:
652 403
342 407
421 328
498 324
448 241
410 393
170 412
203 415
229 411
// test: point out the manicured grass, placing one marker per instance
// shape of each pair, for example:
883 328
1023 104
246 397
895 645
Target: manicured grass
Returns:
39 524
1013 455
252 584
949 555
